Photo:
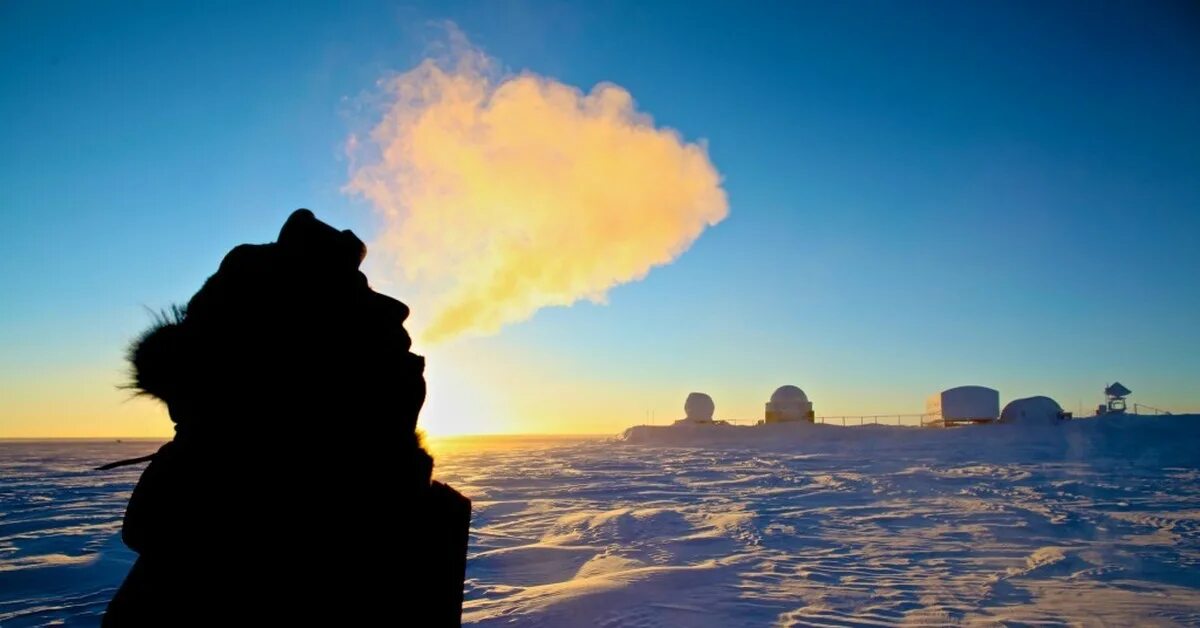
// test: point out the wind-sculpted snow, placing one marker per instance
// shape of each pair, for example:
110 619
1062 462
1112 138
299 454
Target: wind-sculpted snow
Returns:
1096 522
1086 523
61 556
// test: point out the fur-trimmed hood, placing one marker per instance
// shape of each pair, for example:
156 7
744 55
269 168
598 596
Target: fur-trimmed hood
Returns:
285 329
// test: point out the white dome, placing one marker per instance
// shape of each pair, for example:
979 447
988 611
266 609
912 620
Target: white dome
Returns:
788 393
1032 410
699 407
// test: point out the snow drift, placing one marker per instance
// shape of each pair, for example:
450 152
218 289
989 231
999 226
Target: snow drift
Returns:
1086 522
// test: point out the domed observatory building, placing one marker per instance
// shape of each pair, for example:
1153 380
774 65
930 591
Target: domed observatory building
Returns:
789 404
1033 411
698 409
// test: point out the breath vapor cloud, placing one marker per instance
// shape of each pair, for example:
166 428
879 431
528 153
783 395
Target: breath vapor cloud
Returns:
502 195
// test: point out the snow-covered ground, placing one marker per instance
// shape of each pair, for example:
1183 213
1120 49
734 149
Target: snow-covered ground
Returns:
61 556
1094 522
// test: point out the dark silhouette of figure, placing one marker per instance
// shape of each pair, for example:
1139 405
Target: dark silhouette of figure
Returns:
296 490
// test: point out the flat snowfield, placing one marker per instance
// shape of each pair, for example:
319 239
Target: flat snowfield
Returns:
1095 522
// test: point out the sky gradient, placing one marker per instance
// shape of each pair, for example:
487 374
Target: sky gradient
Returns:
921 195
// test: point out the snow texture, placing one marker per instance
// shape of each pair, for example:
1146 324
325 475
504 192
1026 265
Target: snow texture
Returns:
1089 522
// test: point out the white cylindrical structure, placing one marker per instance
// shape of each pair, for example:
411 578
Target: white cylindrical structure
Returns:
964 404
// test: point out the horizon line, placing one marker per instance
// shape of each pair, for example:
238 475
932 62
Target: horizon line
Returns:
426 436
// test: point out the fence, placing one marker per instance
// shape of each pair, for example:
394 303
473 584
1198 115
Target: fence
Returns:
903 420
909 420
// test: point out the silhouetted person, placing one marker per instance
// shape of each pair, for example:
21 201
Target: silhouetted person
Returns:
296 490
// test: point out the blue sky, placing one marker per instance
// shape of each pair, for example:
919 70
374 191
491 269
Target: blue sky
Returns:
921 195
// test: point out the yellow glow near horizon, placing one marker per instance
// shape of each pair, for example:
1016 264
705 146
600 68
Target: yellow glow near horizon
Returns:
454 405
81 402
476 387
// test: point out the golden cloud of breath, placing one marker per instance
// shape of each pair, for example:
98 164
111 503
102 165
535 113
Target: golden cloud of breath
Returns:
506 195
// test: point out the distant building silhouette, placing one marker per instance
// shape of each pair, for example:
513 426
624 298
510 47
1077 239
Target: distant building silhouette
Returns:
1114 395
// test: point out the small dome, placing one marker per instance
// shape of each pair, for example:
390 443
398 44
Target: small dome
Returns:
1032 410
699 407
788 393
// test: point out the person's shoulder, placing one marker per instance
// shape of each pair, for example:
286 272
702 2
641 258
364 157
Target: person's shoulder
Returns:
442 493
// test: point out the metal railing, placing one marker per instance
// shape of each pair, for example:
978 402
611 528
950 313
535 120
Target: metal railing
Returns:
850 420
902 420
